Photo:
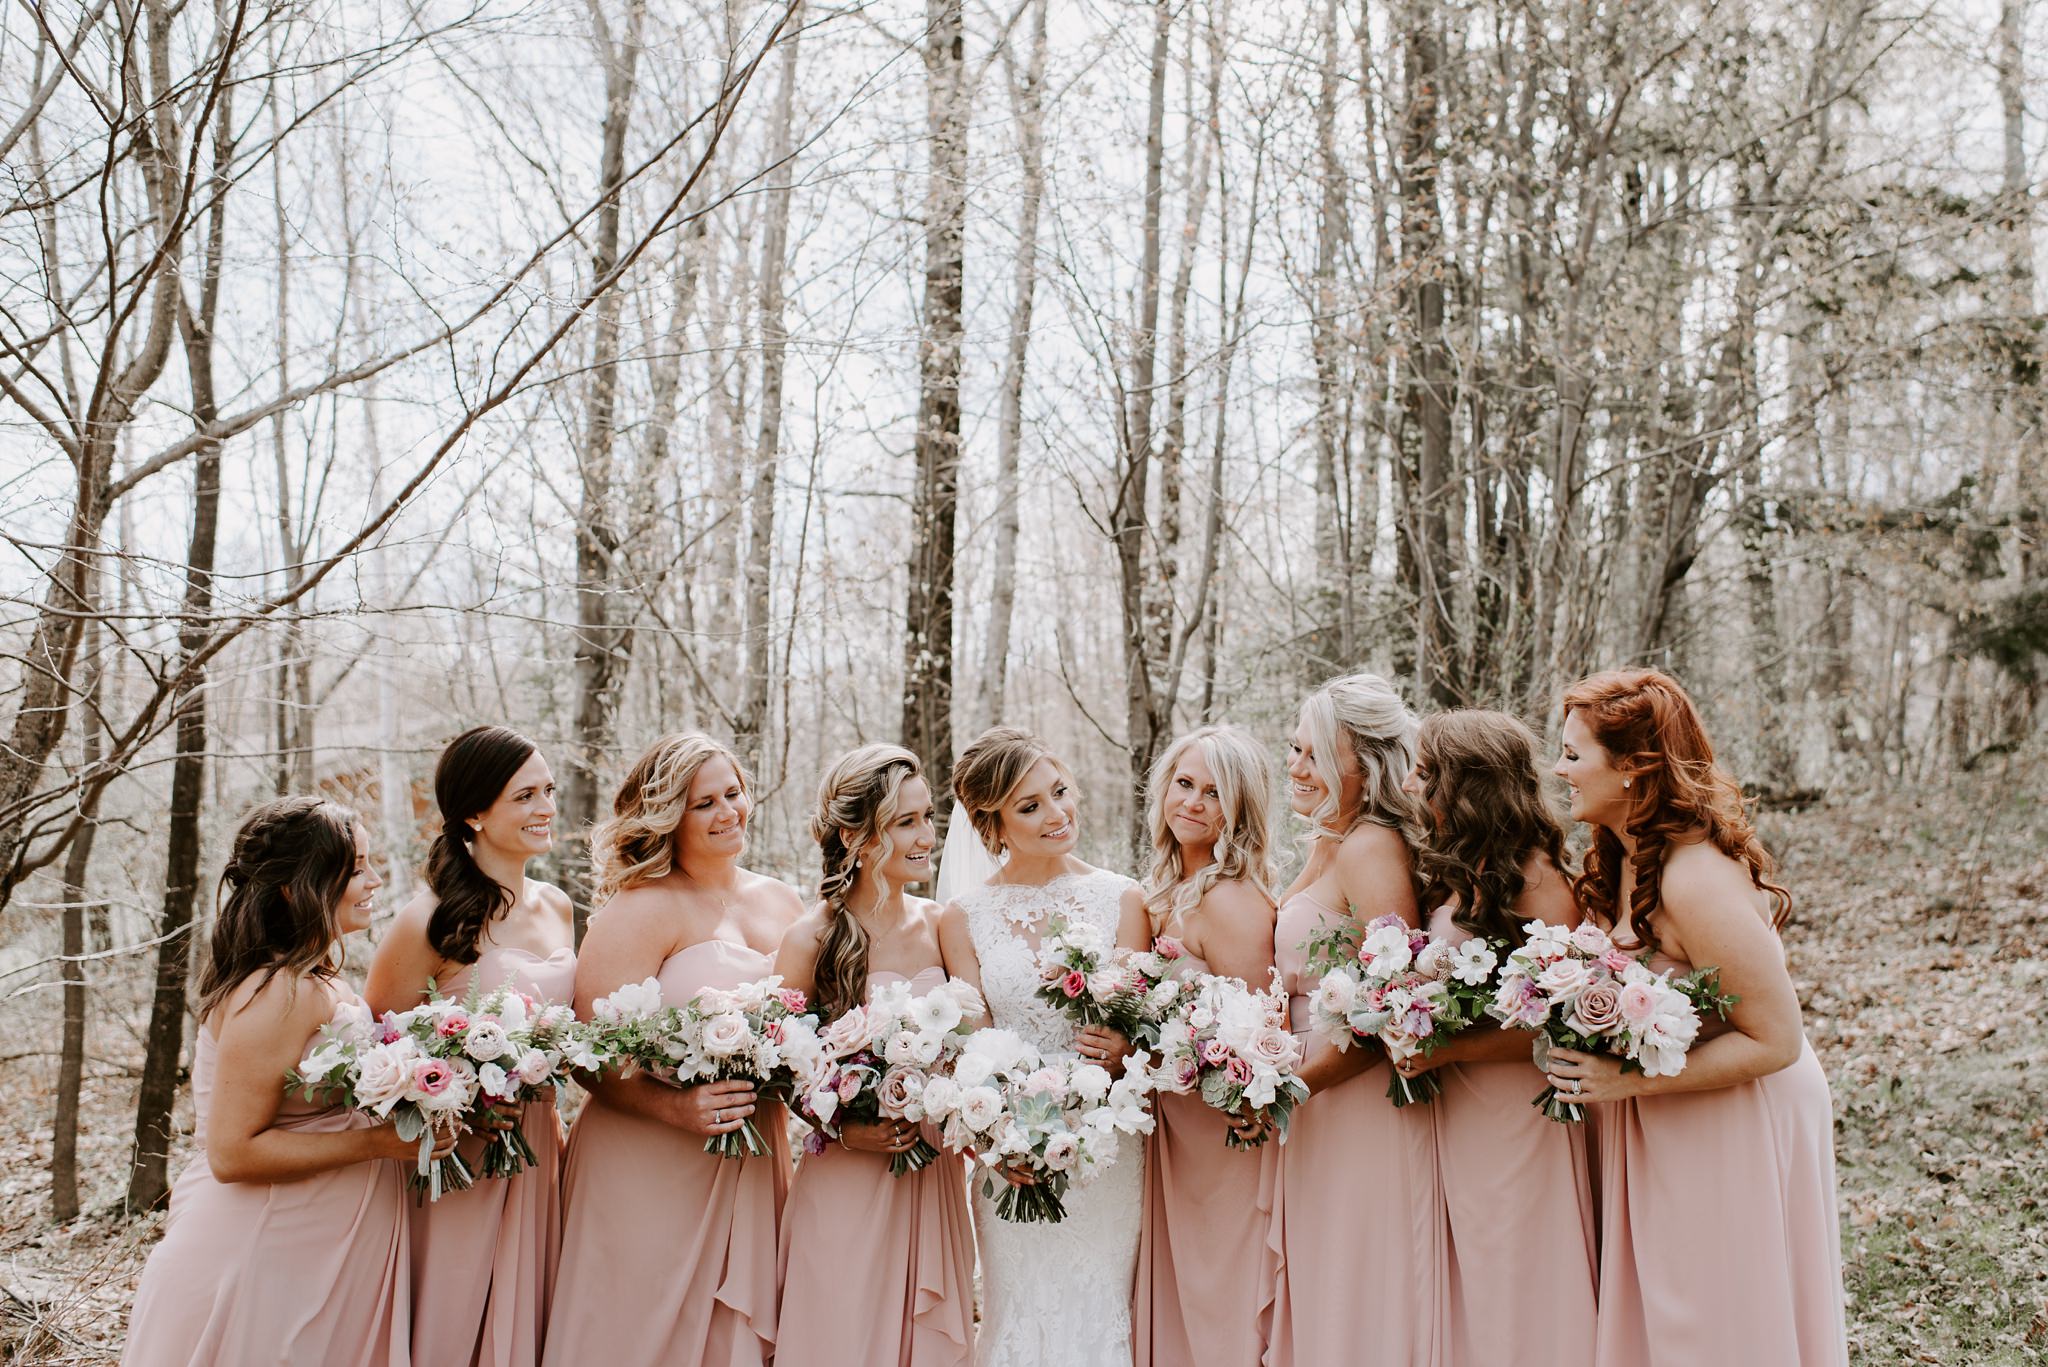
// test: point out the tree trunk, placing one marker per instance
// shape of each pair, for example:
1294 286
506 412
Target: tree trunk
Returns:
604 634
928 625
759 667
1026 100
148 1174
77 912
1329 641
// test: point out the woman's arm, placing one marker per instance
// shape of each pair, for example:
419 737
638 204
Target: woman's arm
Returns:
1710 915
261 1035
956 951
627 944
405 963
1371 871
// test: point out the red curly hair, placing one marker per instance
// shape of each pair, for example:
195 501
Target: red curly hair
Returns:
1652 733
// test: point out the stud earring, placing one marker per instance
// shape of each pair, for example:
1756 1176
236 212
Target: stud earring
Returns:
1627 782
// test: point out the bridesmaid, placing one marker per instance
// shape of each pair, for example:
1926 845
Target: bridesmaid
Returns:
286 1238
668 1252
1512 1180
483 1260
907 1299
1361 1218
1733 1159
1200 1299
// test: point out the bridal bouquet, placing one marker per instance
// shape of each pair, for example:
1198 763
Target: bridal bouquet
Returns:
1056 1118
1231 1045
1409 992
1579 990
1090 980
756 1032
433 1069
876 1061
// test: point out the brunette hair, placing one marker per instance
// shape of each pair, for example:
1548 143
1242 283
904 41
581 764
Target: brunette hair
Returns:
638 843
470 776
990 769
1486 815
1652 734
1244 790
859 797
291 861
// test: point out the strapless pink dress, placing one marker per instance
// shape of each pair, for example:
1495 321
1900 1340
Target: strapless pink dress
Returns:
1207 1259
877 1270
483 1260
248 1273
1524 1256
1362 1238
668 1252
1720 1241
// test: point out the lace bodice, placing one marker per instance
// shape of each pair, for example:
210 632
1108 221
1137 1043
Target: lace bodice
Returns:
1006 921
1055 1295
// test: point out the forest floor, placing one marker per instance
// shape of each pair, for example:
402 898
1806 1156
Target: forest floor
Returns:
1920 944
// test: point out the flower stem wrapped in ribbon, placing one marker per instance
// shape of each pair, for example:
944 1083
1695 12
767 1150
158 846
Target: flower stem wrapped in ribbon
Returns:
1399 986
1579 990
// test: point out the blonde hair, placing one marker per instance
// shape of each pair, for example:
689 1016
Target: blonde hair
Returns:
638 843
1364 714
857 799
1244 789
990 769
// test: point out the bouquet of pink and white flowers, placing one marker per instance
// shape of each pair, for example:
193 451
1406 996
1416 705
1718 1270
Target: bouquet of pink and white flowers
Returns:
757 1032
1581 991
876 1061
1231 1045
1406 990
432 1069
1058 1118
1083 975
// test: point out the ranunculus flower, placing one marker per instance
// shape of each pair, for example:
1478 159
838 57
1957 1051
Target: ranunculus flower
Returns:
1637 1003
486 1041
533 1068
1062 1153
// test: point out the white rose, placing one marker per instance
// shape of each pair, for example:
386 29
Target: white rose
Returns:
901 1050
383 1073
1335 994
979 1107
726 1034
1564 979
634 1001
486 1041
534 1068
495 1082
941 1096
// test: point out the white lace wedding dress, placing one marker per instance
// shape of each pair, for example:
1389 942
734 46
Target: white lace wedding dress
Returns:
1053 1295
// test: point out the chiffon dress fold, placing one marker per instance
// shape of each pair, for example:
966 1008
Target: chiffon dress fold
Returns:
877 1270
1719 1238
483 1260
312 1271
1359 1228
1524 1252
1206 1257
668 1252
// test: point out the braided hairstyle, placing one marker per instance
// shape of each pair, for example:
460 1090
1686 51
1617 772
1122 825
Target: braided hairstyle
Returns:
857 800
469 778
1486 816
1652 734
1244 790
291 861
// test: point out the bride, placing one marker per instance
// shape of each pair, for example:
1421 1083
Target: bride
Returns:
1055 1295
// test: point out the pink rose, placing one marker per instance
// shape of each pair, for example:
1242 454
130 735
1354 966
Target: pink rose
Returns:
1614 961
1598 1008
847 1033
1637 1003
791 999
900 1089
1166 947
1276 1048
454 1023
1239 1071
1074 983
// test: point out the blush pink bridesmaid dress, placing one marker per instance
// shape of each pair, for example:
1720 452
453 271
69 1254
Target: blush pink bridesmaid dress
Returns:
877 1270
483 1260
1207 1259
668 1252
1361 1228
1524 1256
1719 1237
312 1271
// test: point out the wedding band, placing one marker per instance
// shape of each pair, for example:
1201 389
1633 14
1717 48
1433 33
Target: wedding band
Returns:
718 1117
